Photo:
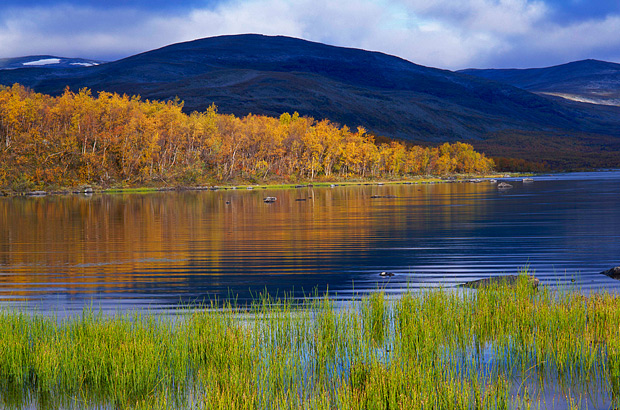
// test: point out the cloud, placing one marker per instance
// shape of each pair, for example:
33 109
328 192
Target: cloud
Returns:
133 4
516 33
440 33
115 32
496 16
593 38
73 31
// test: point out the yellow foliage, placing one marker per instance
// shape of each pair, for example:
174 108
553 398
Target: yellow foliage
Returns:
78 138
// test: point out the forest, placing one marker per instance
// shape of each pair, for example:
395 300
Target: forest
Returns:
109 140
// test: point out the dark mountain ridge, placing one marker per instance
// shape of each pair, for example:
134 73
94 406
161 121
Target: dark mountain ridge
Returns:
593 81
388 95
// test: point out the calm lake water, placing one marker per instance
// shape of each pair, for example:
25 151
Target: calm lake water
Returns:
160 250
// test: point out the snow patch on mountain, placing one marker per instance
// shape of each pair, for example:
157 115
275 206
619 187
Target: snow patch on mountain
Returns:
585 99
85 64
44 61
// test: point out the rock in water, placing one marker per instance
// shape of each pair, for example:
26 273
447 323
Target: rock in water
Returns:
613 273
499 280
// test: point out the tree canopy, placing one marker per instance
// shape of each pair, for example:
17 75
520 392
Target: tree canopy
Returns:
77 139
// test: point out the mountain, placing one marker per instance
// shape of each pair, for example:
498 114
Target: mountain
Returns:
45 62
388 95
591 81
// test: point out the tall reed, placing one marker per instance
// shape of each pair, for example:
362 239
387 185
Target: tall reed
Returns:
495 348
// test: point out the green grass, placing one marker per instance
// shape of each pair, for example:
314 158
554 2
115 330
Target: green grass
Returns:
319 183
267 184
437 349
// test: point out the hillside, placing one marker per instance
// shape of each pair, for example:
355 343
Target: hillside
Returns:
388 95
591 81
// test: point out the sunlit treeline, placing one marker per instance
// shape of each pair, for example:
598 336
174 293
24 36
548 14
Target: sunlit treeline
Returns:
77 138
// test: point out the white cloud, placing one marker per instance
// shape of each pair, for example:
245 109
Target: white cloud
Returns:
440 33
73 31
551 43
498 16
581 37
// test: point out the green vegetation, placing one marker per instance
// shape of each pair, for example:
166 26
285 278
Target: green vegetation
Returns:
493 348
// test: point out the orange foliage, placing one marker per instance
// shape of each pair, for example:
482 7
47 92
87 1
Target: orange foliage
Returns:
77 139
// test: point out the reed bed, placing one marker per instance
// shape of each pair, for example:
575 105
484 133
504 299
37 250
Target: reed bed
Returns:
496 348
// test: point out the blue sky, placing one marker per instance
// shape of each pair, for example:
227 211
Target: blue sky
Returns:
440 33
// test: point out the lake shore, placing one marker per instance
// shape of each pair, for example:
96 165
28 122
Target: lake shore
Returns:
92 189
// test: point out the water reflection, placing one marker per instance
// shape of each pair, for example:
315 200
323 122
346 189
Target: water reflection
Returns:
161 249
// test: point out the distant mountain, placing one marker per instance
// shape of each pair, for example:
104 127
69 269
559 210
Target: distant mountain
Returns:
592 81
45 62
388 95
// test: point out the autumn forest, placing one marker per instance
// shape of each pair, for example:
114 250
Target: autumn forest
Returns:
111 140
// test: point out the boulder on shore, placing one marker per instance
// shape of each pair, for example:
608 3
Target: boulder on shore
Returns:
499 280
613 273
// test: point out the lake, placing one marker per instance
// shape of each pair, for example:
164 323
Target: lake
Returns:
161 250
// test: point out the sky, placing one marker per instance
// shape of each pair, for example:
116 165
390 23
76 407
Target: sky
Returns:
451 34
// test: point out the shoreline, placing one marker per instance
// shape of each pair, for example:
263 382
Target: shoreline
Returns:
90 189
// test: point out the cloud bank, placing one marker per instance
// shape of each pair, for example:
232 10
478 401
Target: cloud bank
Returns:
439 33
